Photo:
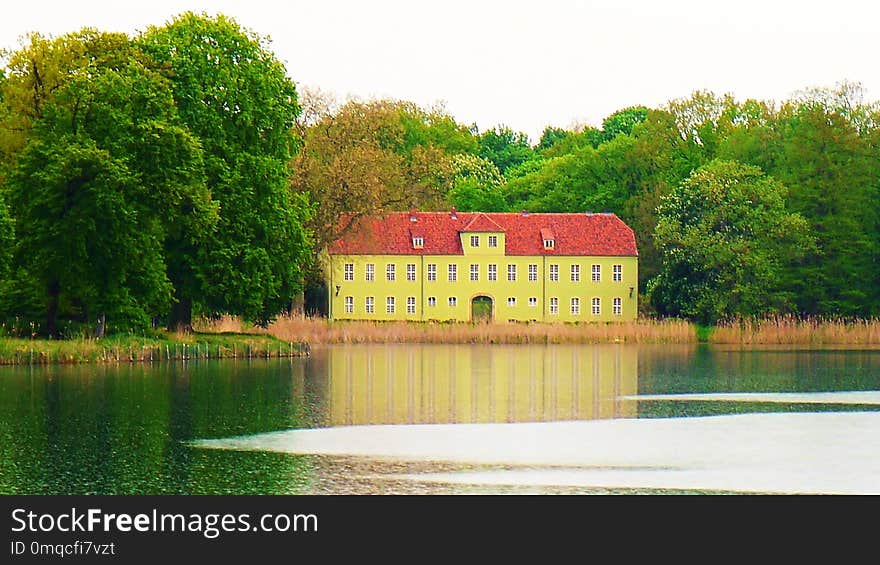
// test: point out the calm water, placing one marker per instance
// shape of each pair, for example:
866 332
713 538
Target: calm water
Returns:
138 429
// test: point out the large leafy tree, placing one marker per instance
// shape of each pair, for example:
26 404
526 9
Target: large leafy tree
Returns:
834 177
725 237
105 175
237 99
373 157
505 148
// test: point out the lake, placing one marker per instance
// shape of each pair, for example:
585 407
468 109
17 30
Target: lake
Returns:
451 419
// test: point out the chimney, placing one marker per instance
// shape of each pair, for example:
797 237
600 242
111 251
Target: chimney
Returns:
454 214
412 215
525 213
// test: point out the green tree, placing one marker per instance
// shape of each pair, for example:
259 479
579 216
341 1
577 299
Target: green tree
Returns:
476 185
236 98
505 148
833 173
556 142
7 239
725 236
623 121
42 66
106 174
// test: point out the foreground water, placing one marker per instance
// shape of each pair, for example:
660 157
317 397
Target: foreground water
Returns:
594 418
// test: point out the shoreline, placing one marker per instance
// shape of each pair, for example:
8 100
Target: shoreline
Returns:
140 349
293 336
782 331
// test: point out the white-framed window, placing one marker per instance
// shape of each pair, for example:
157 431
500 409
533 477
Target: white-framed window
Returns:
432 302
511 272
617 306
349 304
370 304
616 273
554 306
493 272
533 273
597 273
554 273
389 272
389 305
597 306
418 242
475 241
511 302
549 244
348 272
370 273
575 306
410 304
410 271
533 302
453 301
453 272
493 241
475 272
432 271
575 273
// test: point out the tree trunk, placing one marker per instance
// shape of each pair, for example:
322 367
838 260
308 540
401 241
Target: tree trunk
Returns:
99 328
181 316
297 305
53 291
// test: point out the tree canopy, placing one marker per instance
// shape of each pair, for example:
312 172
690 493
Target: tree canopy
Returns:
146 176
237 99
181 170
724 237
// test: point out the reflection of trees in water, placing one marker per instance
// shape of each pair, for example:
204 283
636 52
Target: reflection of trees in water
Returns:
463 383
123 429
667 369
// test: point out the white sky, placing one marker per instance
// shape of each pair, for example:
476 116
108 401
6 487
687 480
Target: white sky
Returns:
526 64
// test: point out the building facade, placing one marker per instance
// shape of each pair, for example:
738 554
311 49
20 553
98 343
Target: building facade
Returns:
456 266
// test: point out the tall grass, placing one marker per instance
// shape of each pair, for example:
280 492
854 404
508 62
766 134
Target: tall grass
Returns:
125 349
322 331
790 330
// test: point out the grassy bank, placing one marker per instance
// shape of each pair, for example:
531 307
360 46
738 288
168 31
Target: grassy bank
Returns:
127 349
320 331
796 331
288 336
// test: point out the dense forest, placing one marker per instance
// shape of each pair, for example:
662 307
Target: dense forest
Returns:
182 171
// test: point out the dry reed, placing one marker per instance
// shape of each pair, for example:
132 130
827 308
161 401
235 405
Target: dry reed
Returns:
321 331
790 330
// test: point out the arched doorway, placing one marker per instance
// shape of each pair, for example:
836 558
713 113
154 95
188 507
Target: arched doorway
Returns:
481 309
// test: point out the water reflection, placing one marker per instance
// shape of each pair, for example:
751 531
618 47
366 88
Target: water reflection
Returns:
128 429
467 384
121 429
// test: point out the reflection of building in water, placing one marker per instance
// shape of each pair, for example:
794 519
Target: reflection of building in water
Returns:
457 384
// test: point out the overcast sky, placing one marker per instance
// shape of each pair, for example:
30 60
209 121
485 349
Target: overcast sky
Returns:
526 64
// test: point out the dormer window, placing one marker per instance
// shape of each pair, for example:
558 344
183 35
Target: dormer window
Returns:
475 241
547 237
418 242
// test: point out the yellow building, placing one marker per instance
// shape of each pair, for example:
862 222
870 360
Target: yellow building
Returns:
466 266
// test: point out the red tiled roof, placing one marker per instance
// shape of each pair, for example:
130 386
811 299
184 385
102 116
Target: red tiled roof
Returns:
574 234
